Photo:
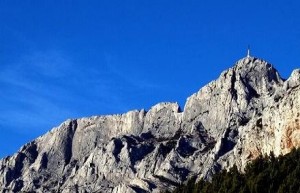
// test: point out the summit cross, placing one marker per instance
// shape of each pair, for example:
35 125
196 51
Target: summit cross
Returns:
248 52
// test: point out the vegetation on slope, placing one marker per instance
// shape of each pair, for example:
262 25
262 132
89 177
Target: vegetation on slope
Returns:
263 175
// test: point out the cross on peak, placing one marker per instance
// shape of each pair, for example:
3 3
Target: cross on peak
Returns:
248 52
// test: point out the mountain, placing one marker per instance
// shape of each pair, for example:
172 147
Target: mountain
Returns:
247 112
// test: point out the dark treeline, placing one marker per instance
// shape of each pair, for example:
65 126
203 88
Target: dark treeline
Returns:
263 175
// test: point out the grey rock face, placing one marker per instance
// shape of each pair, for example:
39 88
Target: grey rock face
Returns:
248 111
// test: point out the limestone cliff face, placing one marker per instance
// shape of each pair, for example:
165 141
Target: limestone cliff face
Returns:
248 111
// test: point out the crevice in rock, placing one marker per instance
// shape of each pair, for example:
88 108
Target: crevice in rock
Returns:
146 136
184 148
227 142
150 184
259 123
44 161
176 136
69 141
132 140
139 152
252 93
30 150
16 171
201 133
232 90
165 149
183 173
272 74
18 185
117 149
166 180
138 189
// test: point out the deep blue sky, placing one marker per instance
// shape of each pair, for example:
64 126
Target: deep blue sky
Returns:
67 59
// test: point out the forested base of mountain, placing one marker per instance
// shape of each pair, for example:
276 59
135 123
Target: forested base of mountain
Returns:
264 175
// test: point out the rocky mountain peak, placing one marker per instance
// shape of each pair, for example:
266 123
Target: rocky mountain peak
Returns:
258 74
248 111
257 65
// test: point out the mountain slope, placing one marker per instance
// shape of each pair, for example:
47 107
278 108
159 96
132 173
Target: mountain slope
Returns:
248 111
264 174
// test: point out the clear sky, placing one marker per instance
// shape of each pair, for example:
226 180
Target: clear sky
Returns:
63 59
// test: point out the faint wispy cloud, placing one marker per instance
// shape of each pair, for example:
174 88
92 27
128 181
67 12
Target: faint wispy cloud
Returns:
43 88
133 79
46 87
28 93
52 63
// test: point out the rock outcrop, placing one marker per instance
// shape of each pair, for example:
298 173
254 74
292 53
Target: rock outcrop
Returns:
248 111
